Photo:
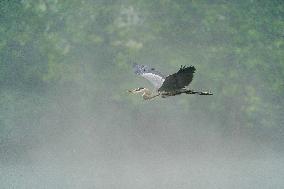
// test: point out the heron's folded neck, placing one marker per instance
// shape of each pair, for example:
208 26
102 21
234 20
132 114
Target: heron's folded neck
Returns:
146 93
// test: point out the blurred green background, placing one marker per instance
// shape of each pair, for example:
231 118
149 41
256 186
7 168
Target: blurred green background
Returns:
65 67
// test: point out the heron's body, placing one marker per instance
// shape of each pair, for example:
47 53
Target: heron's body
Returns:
165 86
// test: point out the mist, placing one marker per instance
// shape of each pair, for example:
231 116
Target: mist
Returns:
67 121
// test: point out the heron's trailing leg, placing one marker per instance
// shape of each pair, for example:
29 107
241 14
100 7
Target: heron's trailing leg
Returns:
186 91
198 92
146 93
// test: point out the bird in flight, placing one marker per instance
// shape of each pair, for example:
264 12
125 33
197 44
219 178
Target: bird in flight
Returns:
165 86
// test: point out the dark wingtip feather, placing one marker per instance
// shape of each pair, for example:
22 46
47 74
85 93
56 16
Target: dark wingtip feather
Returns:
184 68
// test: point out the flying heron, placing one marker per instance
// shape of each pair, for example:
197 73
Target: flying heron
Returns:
165 86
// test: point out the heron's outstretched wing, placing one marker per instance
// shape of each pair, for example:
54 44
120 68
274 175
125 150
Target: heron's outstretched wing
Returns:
155 77
178 80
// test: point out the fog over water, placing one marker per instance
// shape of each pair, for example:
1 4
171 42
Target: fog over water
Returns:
67 122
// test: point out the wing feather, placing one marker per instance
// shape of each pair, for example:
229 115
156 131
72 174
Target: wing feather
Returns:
178 80
155 77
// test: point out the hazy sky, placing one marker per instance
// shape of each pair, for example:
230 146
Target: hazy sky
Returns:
83 130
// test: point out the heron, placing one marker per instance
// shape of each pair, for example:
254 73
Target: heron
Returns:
165 86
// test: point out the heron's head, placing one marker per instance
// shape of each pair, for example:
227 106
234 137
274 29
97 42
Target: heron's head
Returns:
138 90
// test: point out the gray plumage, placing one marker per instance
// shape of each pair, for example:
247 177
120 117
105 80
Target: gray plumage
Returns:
155 77
178 80
170 83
